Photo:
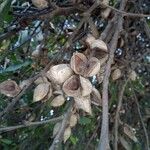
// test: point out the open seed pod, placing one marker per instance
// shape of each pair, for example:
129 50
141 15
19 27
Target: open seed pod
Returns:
100 45
82 66
67 134
132 75
84 103
78 63
41 91
86 86
116 74
40 3
59 73
77 86
73 120
93 67
9 88
89 40
96 97
40 80
58 101
71 87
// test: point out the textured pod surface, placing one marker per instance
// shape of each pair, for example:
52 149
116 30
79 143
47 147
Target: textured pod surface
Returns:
86 86
93 67
90 39
41 91
9 88
84 103
40 3
73 120
103 59
71 87
99 44
78 63
67 134
40 80
59 73
58 101
96 97
133 75
116 74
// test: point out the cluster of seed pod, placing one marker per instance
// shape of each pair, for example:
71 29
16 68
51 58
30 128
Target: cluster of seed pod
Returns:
71 80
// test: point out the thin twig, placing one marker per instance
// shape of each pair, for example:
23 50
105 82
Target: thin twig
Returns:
120 99
104 136
29 124
125 13
86 16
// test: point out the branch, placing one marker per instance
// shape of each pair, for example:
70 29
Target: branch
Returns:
125 13
120 98
29 124
104 136
49 14
59 137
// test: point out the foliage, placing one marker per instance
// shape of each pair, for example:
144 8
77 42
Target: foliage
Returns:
31 37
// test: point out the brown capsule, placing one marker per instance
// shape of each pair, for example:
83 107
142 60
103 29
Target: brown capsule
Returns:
84 103
86 86
41 91
116 74
9 88
71 87
41 4
78 63
58 101
59 73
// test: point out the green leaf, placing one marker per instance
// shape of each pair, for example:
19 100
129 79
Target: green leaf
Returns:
16 67
4 10
6 141
74 139
84 121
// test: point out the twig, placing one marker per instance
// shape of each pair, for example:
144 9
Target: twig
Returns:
104 136
120 98
86 16
29 124
44 15
125 13
105 33
140 116
59 137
